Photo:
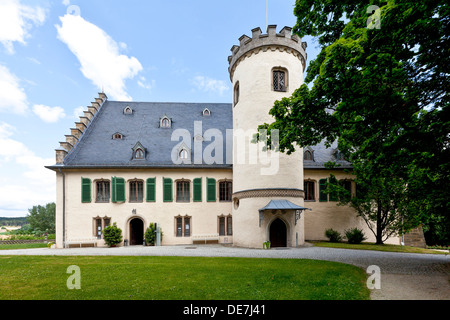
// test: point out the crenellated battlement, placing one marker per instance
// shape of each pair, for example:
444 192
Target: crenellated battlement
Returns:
282 41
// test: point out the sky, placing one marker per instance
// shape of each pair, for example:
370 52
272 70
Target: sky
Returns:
56 55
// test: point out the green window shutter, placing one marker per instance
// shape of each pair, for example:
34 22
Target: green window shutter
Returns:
151 190
333 195
211 189
197 190
167 190
323 196
118 190
85 190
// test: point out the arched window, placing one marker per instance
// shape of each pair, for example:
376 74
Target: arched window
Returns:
184 155
206 112
165 122
139 154
236 94
308 155
128 110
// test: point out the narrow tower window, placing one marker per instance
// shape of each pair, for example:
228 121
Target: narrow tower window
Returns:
236 94
280 79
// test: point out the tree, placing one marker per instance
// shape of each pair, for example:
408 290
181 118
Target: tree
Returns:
381 93
42 218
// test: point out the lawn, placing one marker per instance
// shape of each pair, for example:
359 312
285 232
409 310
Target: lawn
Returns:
180 278
377 247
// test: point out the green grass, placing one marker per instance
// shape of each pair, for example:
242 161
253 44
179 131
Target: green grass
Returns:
23 246
180 278
377 247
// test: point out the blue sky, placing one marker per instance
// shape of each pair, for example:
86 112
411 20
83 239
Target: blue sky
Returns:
56 55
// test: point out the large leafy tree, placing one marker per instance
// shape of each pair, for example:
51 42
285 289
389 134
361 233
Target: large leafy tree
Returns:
42 218
381 90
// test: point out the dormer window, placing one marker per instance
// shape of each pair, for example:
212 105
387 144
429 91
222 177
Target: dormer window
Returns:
206 112
117 136
139 152
184 155
308 155
128 110
166 123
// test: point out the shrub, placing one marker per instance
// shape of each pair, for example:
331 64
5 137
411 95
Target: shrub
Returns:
112 235
150 234
355 236
333 235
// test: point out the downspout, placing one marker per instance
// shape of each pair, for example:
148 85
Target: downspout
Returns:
64 208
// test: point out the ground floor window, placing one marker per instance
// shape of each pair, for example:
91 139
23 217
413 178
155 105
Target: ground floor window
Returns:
99 224
225 226
183 226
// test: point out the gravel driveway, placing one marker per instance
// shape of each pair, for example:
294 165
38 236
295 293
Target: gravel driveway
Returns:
404 276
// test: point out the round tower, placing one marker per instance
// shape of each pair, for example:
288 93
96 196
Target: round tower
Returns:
267 186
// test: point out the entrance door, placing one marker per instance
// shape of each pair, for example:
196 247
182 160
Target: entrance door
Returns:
278 234
136 232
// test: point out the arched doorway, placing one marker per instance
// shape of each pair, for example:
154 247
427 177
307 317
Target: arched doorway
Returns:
136 232
278 234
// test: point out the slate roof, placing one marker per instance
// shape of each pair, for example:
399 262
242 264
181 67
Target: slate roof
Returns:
97 148
322 155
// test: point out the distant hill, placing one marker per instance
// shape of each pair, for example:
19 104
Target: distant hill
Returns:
13 222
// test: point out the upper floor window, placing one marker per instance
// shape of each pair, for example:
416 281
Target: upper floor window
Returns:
136 191
308 155
236 94
225 190
139 154
103 191
166 123
183 191
128 110
279 79
118 136
206 112
309 190
184 154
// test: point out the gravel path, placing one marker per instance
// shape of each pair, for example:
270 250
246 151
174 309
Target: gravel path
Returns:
404 276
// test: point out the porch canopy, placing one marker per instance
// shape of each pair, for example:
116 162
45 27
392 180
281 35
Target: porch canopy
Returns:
282 205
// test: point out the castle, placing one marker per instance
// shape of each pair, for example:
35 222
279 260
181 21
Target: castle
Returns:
193 169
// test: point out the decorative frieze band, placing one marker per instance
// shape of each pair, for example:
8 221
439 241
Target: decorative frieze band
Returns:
267 193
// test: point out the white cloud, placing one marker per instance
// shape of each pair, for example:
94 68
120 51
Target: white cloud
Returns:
99 56
12 97
16 21
49 114
143 83
210 85
79 111
34 184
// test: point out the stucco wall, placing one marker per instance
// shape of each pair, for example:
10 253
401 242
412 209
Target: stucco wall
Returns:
79 216
325 215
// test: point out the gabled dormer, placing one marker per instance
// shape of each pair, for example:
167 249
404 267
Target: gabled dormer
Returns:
139 152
